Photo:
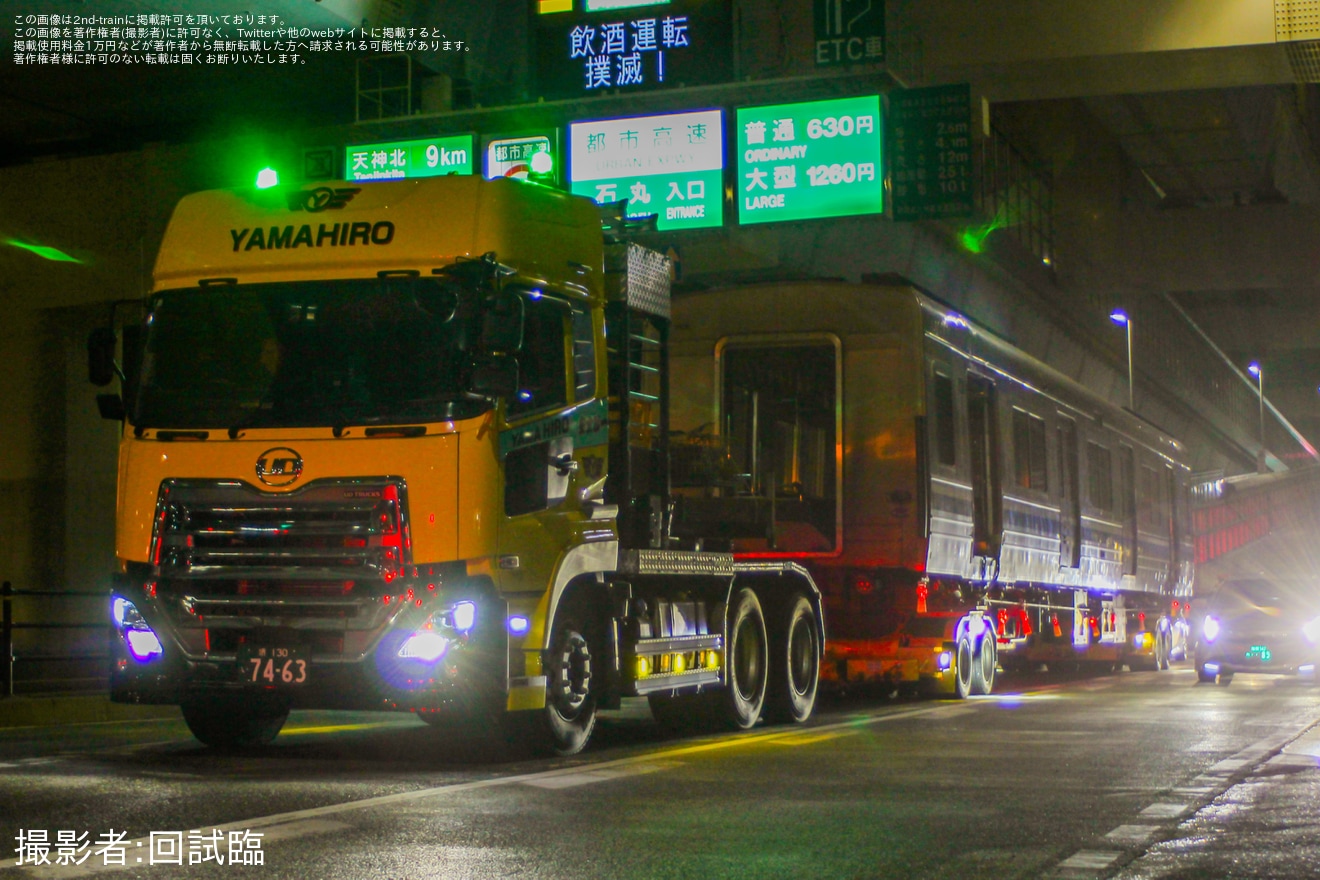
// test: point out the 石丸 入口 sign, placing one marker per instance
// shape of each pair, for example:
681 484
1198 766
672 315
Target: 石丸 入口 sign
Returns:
670 165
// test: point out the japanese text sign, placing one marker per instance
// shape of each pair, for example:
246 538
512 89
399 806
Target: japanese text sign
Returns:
396 160
670 165
519 157
686 42
811 160
931 143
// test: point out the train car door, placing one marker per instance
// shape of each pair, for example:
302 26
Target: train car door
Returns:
1127 478
1070 518
987 496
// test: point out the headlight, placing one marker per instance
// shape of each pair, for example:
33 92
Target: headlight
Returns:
1312 631
143 643
1210 629
432 640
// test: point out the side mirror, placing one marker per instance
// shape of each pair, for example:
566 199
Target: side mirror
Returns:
101 356
502 323
494 375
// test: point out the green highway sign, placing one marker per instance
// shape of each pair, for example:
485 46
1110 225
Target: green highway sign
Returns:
930 138
671 166
396 160
811 160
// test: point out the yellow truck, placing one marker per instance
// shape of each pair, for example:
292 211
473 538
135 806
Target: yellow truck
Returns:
404 446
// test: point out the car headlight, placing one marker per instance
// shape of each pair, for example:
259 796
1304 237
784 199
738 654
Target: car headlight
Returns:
1312 631
1210 629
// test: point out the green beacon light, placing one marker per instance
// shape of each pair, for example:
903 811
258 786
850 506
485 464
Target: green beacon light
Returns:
542 162
266 178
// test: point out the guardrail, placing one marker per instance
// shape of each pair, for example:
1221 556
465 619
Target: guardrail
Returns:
8 627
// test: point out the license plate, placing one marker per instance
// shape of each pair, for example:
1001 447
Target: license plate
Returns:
271 667
1259 652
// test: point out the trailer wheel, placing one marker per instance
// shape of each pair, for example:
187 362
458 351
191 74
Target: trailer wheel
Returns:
1162 650
983 667
223 722
795 663
746 661
570 702
963 668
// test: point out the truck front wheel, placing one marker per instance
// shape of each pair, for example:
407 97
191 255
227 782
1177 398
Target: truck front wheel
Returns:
223 722
570 705
795 662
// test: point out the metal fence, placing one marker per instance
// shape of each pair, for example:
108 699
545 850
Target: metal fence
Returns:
10 627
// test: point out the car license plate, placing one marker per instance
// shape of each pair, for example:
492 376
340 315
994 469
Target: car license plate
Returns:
271 667
1259 652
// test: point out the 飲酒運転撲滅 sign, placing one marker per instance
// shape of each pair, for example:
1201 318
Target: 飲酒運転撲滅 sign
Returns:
811 160
602 45
397 160
670 165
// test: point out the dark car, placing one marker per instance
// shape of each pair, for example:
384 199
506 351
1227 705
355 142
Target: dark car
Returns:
1258 625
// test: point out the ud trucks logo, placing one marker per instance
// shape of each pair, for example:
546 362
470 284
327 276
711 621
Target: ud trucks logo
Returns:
279 466
322 198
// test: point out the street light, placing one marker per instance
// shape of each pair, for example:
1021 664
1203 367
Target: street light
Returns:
1118 316
1254 369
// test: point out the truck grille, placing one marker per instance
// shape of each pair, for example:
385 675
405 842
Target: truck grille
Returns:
317 538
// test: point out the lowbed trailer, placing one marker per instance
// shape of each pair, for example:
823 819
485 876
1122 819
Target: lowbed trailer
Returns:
404 446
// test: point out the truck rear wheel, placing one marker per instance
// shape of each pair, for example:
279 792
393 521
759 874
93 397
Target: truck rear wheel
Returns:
224 722
795 662
746 660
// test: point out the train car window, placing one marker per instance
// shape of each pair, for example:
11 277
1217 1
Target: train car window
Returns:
942 415
542 363
779 421
1029 454
1150 502
1099 477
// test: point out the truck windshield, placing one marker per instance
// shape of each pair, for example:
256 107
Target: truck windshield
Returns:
305 354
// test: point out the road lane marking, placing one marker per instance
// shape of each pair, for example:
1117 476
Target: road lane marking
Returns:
799 739
1164 811
1089 860
586 777
337 728
261 823
1133 833
1228 766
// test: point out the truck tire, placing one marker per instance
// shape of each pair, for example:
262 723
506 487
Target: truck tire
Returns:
794 662
746 661
964 667
983 667
223 722
570 701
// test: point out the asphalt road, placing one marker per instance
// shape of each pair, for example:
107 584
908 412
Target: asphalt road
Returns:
1084 777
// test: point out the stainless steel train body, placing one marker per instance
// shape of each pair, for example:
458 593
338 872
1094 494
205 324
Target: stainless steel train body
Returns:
916 462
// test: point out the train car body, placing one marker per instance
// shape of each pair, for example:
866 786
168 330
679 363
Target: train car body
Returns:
916 463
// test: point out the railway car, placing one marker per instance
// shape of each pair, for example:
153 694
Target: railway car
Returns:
916 464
